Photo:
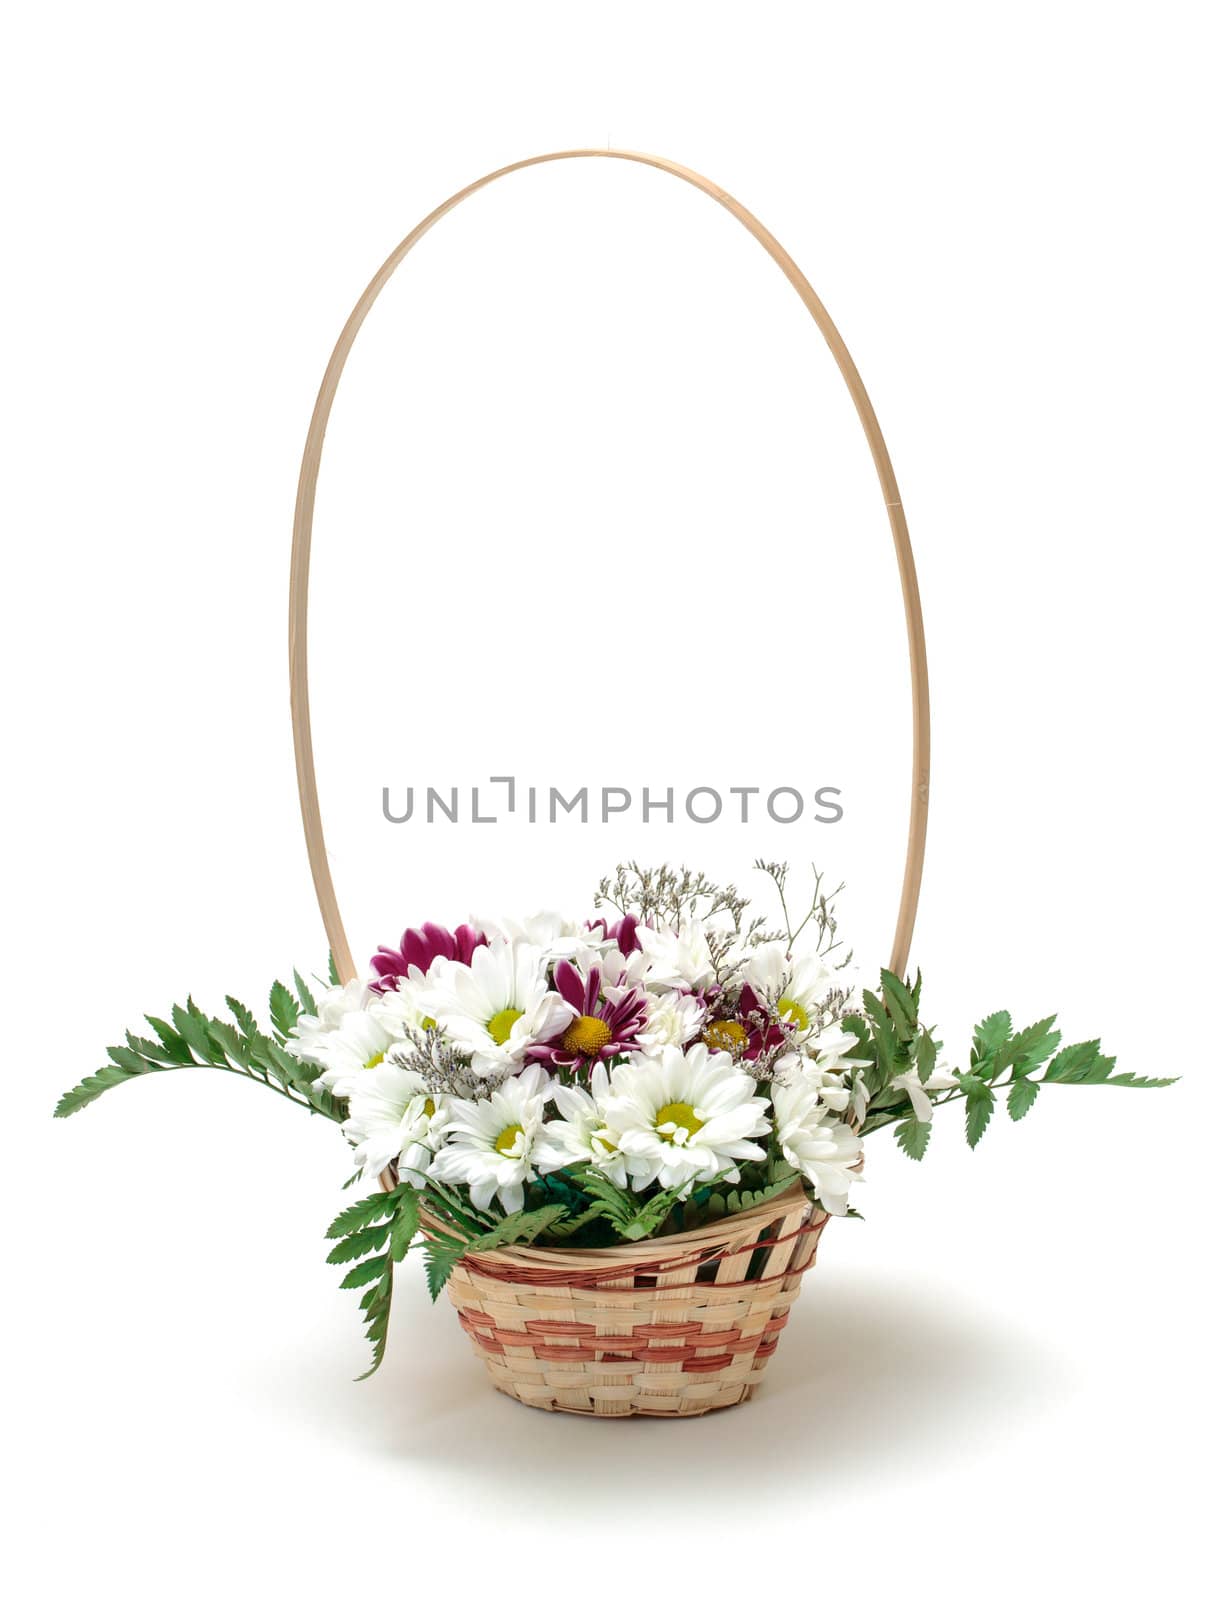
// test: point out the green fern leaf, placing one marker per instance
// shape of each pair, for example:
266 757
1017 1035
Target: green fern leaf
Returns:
360 1215
440 1256
522 1227
366 1271
361 1243
284 1010
307 1003
244 1016
405 1224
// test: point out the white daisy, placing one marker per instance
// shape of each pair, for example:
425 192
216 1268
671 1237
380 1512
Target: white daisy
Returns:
814 1141
333 1004
356 1045
579 1133
793 985
680 957
391 1117
399 1009
672 1018
684 1115
496 1007
491 1144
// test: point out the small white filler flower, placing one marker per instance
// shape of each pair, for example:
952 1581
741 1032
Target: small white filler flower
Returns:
683 1116
491 1144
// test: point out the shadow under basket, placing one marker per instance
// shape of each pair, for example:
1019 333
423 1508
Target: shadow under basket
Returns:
672 1327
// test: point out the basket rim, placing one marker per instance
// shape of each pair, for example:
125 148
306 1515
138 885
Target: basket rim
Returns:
724 1230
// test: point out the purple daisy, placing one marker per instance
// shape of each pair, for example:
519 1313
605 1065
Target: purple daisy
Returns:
622 933
750 1032
602 1027
419 948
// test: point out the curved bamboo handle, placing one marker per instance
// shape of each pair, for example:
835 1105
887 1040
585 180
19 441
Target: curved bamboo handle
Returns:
302 536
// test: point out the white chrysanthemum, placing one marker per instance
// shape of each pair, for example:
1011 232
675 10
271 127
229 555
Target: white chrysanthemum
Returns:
346 1052
822 1060
793 985
579 1132
491 1144
680 957
684 1115
391 1117
558 938
398 1009
494 1008
672 1018
814 1141
618 972
333 1004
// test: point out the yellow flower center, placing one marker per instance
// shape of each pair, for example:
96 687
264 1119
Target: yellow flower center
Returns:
791 1011
429 1107
726 1035
670 1119
501 1024
586 1036
604 1143
505 1144
374 1061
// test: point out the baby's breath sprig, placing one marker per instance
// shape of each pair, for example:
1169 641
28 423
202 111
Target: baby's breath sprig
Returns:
676 894
443 1068
821 914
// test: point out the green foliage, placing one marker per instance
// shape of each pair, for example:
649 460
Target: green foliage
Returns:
440 1256
192 1039
307 1003
1020 1097
892 1040
375 1233
759 1181
1004 1062
521 1227
913 1137
1083 1063
284 1009
443 1250
978 1109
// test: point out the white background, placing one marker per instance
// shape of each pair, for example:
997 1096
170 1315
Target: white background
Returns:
590 425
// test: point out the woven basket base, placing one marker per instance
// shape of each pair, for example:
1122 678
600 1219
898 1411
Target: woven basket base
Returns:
675 1335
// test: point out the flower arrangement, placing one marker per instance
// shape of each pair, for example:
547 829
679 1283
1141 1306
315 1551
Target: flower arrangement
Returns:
670 1062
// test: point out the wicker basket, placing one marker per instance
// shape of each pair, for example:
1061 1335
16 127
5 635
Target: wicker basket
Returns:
685 1324
669 1328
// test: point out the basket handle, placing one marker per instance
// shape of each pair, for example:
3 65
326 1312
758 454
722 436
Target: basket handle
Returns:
302 535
